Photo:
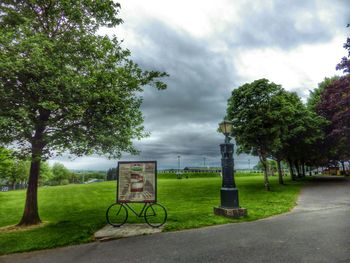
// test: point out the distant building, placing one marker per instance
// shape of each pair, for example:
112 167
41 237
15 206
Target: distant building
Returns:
203 169
194 170
169 170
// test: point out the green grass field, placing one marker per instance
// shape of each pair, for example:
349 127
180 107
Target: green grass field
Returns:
72 213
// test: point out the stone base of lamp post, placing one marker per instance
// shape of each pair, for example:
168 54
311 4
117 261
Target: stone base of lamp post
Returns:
230 204
230 212
229 197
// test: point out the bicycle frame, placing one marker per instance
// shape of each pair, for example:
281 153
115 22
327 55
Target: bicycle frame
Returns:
134 211
155 214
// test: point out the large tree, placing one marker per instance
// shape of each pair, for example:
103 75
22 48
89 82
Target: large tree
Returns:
65 88
290 113
323 149
254 109
301 133
334 105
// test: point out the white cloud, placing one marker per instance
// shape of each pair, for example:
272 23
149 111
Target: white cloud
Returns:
197 17
299 69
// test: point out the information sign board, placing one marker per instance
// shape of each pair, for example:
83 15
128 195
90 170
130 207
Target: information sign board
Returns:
137 182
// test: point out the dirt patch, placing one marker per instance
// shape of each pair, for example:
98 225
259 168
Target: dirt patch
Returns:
15 228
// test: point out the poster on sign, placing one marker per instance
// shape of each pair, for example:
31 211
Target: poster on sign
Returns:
137 182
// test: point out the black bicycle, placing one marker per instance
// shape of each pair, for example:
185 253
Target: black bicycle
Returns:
155 214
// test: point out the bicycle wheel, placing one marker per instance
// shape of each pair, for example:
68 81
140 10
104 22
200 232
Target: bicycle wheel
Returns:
116 215
155 215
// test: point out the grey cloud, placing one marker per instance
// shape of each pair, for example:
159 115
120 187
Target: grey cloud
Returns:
183 119
279 23
192 149
185 116
200 80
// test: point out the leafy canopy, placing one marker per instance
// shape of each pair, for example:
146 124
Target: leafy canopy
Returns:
315 95
62 86
253 108
334 105
12 169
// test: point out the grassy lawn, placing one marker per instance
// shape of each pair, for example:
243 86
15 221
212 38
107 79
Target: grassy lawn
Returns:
72 213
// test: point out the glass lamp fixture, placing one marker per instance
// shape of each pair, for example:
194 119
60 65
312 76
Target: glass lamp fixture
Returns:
226 127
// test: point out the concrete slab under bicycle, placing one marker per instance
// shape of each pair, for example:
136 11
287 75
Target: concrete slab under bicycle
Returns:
127 230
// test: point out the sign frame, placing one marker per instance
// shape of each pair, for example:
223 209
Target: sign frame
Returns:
155 181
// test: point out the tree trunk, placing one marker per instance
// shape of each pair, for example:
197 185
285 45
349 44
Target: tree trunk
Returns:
343 166
31 215
291 170
266 179
296 164
303 167
280 175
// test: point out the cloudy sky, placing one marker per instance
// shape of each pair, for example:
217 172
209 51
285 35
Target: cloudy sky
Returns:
210 48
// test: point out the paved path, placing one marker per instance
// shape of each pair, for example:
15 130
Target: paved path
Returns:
317 230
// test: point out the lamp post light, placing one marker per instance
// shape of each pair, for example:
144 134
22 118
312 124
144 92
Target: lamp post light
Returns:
228 193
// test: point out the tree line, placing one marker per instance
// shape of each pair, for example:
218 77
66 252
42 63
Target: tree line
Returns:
270 122
14 172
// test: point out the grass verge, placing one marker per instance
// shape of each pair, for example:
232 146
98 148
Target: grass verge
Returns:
72 213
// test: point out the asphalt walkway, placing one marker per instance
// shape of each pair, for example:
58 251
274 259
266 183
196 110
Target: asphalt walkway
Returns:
317 230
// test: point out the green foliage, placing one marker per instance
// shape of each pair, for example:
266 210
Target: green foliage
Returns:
73 89
12 169
45 173
253 110
315 95
301 131
6 163
256 110
60 173
74 212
